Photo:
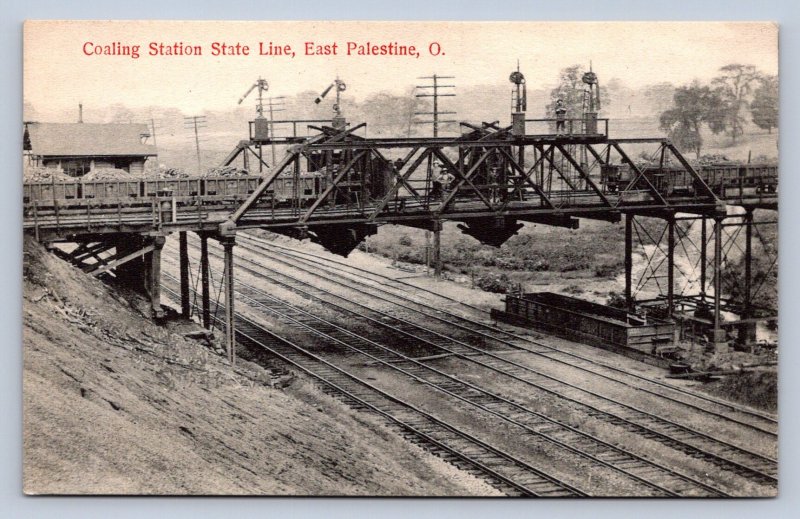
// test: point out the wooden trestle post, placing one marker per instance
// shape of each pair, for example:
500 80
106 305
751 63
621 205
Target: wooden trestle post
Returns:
670 265
628 261
204 282
230 327
719 334
703 257
747 331
186 307
437 249
155 276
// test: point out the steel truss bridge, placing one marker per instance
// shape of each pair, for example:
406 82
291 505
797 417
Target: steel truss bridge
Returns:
498 178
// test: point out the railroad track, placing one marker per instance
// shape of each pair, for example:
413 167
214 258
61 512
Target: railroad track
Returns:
766 423
505 472
719 452
655 477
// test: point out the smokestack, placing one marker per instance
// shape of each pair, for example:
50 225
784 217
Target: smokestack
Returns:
80 112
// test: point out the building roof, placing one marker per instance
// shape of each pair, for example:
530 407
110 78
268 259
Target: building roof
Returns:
90 140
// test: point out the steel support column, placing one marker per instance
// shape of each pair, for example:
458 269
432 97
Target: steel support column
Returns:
155 276
747 330
703 257
720 335
428 253
204 282
230 327
670 265
628 261
437 249
186 307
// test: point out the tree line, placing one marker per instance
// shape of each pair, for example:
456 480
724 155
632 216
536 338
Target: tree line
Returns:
722 106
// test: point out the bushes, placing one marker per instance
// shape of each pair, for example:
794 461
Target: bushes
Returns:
537 265
758 389
507 263
588 252
410 255
616 300
498 284
606 270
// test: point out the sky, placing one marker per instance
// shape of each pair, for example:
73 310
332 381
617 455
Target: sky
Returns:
58 73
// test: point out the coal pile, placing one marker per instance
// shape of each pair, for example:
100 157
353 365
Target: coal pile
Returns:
172 173
109 174
43 174
227 171
715 159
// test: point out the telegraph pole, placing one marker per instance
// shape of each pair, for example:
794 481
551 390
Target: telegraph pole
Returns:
436 86
196 122
435 94
275 105
153 131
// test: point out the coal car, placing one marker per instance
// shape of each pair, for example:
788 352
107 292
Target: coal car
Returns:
723 179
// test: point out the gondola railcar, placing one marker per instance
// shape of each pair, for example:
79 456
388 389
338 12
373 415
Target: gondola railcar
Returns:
723 179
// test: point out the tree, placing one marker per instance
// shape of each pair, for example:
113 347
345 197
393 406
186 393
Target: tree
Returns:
617 98
570 91
389 114
735 86
693 106
658 96
120 114
764 108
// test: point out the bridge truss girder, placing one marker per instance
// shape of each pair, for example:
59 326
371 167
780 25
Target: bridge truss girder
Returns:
699 268
489 167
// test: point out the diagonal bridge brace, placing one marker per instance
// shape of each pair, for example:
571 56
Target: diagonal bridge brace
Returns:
697 178
583 175
639 174
402 180
457 171
464 179
120 261
404 160
526 178
242 147
292 154
549 155
325 194
598 156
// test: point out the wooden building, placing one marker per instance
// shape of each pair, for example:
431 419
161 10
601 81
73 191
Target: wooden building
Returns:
78 148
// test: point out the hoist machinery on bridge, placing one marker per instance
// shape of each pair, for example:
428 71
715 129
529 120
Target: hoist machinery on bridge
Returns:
338 121
261 123
337 186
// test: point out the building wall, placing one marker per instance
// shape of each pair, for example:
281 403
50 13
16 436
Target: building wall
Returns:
137 167
77 167
71 167
100 164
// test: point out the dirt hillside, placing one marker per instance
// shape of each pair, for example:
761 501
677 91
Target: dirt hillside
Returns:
114 404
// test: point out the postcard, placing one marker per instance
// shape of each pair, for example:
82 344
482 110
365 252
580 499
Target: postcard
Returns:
318 258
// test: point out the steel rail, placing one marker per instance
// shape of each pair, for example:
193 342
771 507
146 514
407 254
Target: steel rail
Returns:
613 457
319 260
424 426
671 437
